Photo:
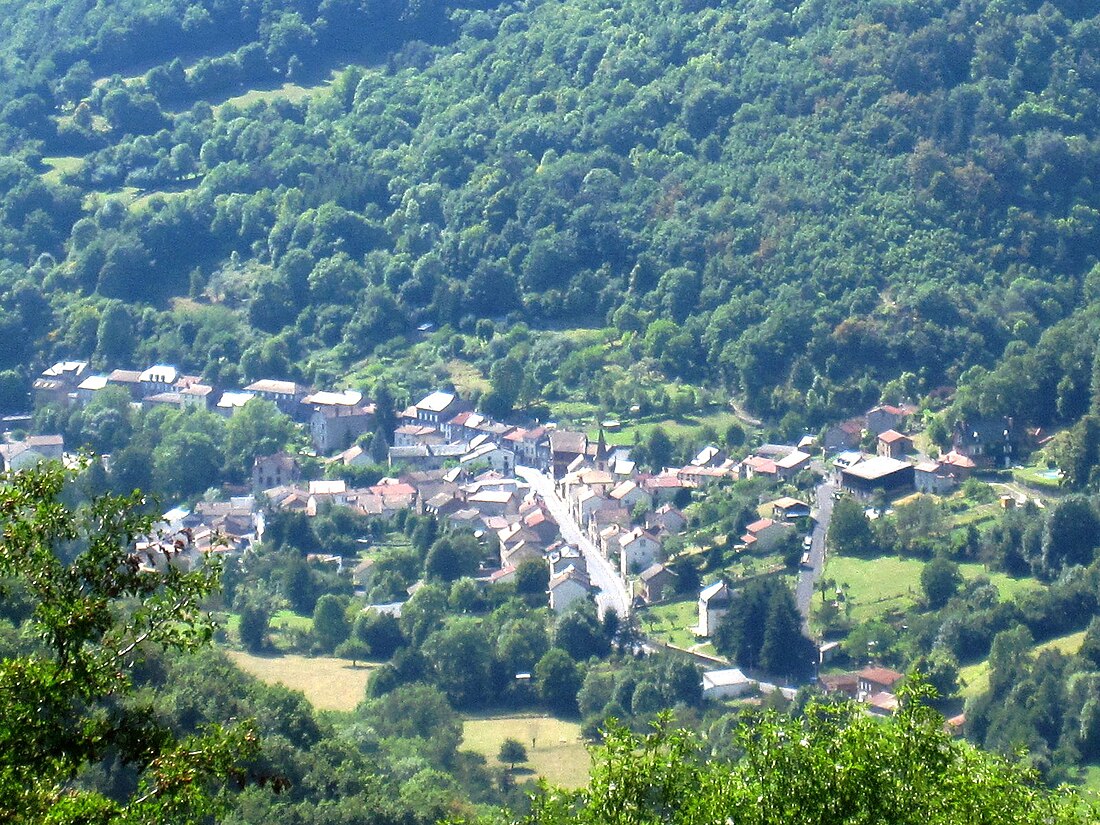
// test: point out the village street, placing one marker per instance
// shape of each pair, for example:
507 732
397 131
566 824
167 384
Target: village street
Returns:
809 576
612 592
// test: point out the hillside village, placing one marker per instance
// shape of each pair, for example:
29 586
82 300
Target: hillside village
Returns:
473 474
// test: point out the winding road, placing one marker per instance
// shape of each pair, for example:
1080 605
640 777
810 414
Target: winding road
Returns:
612 593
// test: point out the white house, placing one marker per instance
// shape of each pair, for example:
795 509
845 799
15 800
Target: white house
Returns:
566 588
628 494
764 534
724 684
714 604
638 549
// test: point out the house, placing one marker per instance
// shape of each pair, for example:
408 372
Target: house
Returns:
439 407
327 400
157 379
714 603
757 465
353 456
425 456
362 575
500 459
789 509
129 380
726 684
565 556
231 401
638 549
959 464
657 580
628 494
532 447
843 436
336 427
893 444
196 396
666 519
565 447
86 390
663 487
286 395
709 456
840 684
494 502
764 534
989 442
885 417
873 680
162 399
792 464
17 455
934 477
883 703
274 470
702 477
56 384
409 434
567 587
878 474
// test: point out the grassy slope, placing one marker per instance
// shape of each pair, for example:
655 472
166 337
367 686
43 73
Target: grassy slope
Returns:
886 584
974 679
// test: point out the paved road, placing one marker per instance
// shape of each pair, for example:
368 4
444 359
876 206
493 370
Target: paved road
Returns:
612 593
809 576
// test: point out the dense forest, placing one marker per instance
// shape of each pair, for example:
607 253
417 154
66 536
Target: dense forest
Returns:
805 204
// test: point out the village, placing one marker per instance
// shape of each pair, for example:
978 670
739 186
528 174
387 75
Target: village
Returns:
540 494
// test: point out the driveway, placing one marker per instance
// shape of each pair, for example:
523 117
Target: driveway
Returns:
612 592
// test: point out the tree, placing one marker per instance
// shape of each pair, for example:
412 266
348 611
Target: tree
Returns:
658 447
906 771
512 751
579 633
460 657
940 580
557 679
253 627
330 622
785 651
380 633
532 580
849 529
353 649
1071 535
59 705
452 557
257 429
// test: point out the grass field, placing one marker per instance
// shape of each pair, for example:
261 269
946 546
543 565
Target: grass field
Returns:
718 418
671 622
327 682
466 377
557 755
1038 476
59 166
288 91
974 679
886 584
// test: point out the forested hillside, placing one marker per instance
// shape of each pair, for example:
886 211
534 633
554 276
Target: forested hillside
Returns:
797 202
